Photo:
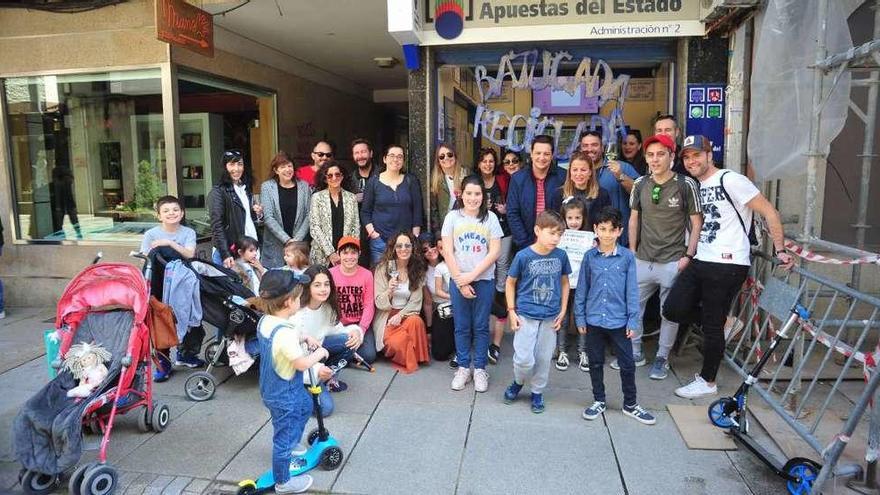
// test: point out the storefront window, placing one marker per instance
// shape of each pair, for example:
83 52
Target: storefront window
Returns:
86 163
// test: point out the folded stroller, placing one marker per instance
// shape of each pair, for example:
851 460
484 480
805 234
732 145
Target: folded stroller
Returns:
105 305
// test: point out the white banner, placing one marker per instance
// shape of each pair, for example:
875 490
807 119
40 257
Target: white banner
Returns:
576 243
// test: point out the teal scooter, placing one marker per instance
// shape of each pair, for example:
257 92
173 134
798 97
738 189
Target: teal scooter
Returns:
323 450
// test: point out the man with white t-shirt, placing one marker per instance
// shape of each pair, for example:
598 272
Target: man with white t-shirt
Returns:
713 278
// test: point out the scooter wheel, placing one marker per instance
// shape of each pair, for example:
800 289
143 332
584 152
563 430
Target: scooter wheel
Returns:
805 470
314 435
331 458
200 386
35 483
720 410
246 488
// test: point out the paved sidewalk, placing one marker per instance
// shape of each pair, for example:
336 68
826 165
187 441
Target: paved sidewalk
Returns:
405 434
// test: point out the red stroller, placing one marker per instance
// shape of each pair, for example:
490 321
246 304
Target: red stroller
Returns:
105 304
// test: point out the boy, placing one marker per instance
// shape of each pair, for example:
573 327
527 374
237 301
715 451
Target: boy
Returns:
354 295
606 306
173 241
537 298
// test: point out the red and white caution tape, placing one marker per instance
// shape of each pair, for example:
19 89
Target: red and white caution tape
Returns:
808 255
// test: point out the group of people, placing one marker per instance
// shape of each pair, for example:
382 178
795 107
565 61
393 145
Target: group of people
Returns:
487 258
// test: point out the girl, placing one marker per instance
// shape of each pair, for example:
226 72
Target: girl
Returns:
437 282
471 244
283 361
583 184
248 265
446 178
398 282
295 259
574 214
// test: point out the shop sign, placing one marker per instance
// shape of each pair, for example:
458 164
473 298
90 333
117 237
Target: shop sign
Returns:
705 115
182 24
487 21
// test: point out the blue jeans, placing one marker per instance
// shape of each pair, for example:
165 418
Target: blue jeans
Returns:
367 350
596 337
471 317
287 430
377 249
335 345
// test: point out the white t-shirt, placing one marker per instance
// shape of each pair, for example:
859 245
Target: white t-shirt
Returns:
450 184
470 240
441 271
723 239
250 229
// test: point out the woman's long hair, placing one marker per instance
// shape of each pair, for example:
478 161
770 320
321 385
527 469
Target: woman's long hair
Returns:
415 269
313 271
246 177
568 188
475 180
438 178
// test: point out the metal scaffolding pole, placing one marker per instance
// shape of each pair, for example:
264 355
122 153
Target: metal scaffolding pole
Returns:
814 156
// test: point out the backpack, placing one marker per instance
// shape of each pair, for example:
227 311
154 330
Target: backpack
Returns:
751 232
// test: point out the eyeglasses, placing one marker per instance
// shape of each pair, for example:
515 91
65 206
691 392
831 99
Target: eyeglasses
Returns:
231 156
512 161
403 245
394 157
441 156
655 195
333 175
321 154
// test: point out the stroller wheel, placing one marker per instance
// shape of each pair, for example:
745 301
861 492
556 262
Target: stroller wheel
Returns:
720 410
144 420
331 458
100 479
313 436
161 417
35 483
74 486
805 470
200 386
211 351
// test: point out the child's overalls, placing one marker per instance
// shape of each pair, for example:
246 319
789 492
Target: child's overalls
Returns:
289 405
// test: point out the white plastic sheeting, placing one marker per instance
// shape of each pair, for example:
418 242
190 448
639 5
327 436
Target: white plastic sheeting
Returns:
782 86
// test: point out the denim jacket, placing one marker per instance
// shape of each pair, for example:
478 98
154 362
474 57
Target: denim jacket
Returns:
607 293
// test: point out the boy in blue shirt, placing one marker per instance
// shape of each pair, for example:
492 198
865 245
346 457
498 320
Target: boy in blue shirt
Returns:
537 298
606 307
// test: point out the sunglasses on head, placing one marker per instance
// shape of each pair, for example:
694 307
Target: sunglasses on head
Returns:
231 156
441 156
510 161
321 154
655 195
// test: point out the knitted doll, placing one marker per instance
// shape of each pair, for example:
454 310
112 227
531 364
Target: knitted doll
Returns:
86 363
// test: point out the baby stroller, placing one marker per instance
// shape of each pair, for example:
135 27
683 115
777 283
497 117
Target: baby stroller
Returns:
105 304
222 295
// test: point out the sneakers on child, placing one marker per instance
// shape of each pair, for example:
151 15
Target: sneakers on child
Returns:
453 363
296 484
335 385
299 450
583 362
697 388
562 361
2 314
639 360
594 411
481 380
537 403
494 353
162 369
189 361
511 392
461 378
637 413
660 369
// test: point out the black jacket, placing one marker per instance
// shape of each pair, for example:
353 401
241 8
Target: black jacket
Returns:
227 218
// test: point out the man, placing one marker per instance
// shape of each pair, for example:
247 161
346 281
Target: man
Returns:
668 126
665 205
531 190
362 155
321 154
729 201
614 176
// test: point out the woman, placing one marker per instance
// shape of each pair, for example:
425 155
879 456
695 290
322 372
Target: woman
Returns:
286 202
333 215
392 203
471 243
446 178
232 210
398 281
511 163
318 318
631 146
495 179
581 183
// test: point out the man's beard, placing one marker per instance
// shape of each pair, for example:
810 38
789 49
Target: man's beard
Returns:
366 164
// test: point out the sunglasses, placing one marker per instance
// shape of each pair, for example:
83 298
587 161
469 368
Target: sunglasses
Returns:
655 195
403 245
321 154
441 156
231 156
511 161
333 175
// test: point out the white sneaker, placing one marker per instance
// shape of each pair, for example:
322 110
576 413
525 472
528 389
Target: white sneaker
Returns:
562 361
697 388
461 378
583 362
299 450
2 314
296 484
481 380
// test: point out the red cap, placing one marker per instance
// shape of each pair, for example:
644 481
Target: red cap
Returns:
346 240
662 139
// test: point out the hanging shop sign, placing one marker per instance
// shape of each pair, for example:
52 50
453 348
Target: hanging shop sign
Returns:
705 115
495 21
182 24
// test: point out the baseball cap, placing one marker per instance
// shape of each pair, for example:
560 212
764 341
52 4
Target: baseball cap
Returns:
276 283
696 142
662 139
348 241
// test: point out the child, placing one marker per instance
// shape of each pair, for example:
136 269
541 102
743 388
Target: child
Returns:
295 259
537 302
606 307
281 380
575 214
437 282
173 241
248 263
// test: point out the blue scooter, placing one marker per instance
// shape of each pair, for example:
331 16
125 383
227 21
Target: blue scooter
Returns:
324 450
